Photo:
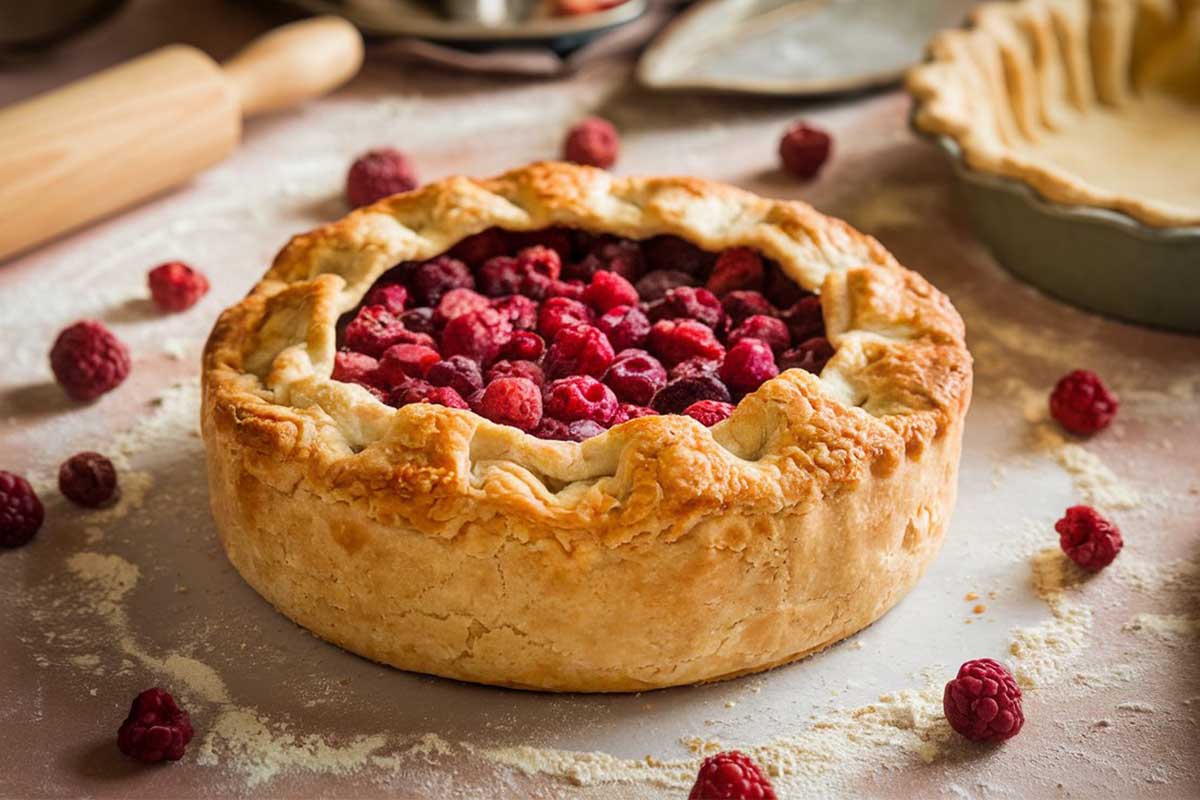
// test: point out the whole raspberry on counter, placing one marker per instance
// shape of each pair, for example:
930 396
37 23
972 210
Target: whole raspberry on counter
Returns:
175 286
88 479
593 142
709 412
731 775
1088 539
88 360
512 401
21 511
1082 403
983 703
378 174
156 729
804 150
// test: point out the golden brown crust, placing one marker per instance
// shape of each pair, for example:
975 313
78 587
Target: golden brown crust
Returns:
435 540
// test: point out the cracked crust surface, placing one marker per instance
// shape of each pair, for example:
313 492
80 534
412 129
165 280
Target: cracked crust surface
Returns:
658 553
1090 102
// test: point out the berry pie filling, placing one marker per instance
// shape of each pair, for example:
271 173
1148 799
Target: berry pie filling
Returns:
564 333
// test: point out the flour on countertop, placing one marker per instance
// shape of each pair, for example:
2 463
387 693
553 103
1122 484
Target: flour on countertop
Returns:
1041 653
1168 627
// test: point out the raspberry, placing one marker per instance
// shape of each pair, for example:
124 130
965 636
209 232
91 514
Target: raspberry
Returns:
609 290
593 142
738 268
553 429
479 335
690 368
768 329
479 248
512 401
525 346
457 302
419 320
431 279
352 367
731 776
156 728
709 412
580 397
21 511
531 272
673 253
375 329
378 174
457 372
415 390
781 290
655 285
406 361
516 369
562 312
88 479
572 289
582 429
811 355
742 304
676 340
175 286
635 376
682 392
578 350
1082 403
804 319
748 365
88 360
628 411
625 327
622 256
560 240
521 311
804 150
499 276
983 702
1088 539
393 297
686 302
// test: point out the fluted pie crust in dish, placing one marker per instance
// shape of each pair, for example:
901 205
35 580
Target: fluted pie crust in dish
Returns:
1090 102
658 553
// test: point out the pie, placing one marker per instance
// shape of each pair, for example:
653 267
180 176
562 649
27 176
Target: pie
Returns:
779 488
1090 102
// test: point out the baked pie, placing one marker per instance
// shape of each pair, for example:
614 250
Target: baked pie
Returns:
559 430
1091 102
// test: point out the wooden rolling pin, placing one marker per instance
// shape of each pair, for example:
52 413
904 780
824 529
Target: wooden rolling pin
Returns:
101 144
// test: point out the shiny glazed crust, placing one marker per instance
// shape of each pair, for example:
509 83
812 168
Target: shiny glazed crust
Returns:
659 553
1027 71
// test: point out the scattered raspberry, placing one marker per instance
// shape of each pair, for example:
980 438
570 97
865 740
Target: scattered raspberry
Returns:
352 367
593 142
804 319
673 253
676 340
428 281
686 302
418 320
655 285
731 776
88 360
811 355
21 511
682 392
457 302
525 346
709 412
748 365
738 268
393 297
1088 539
88 479
769 329
804 150
374 329
1082 403
625 327
742 304
635 376
175 286
608 290
378 174
415 390
578 350
512 401
457 372
691 367
406 361
984 703
580 397
516 369
156 728
480 335
479 248
520 310
562 312
620 256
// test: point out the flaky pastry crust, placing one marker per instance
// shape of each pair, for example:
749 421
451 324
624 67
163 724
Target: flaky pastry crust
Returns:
658 553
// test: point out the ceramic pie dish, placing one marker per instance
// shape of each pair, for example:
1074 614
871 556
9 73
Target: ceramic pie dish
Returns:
1070 122
656 551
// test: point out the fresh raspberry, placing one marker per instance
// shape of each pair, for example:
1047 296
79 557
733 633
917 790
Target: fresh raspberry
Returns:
680 393
811 355
731 776
804 150
457 302
655 285
520 310
156 729
374 329
402 361
560 240
480 335
781 290
415 390
804 319
499 275
393 297
675 340
562 312
431 279
21 511
1082 403
593 142
88 360
673 253
516 369
686 302
352 367
625 327
635 376
741 304
88 479
175 286
479 248
984 702
609 290
709 412
738 268
572 290
691 367
459 373
512 401
748 365
610 254
540 259
419 320
1088 539
524 346
579 350
769 329
378 174
580 397
628 411
531 272
553 429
